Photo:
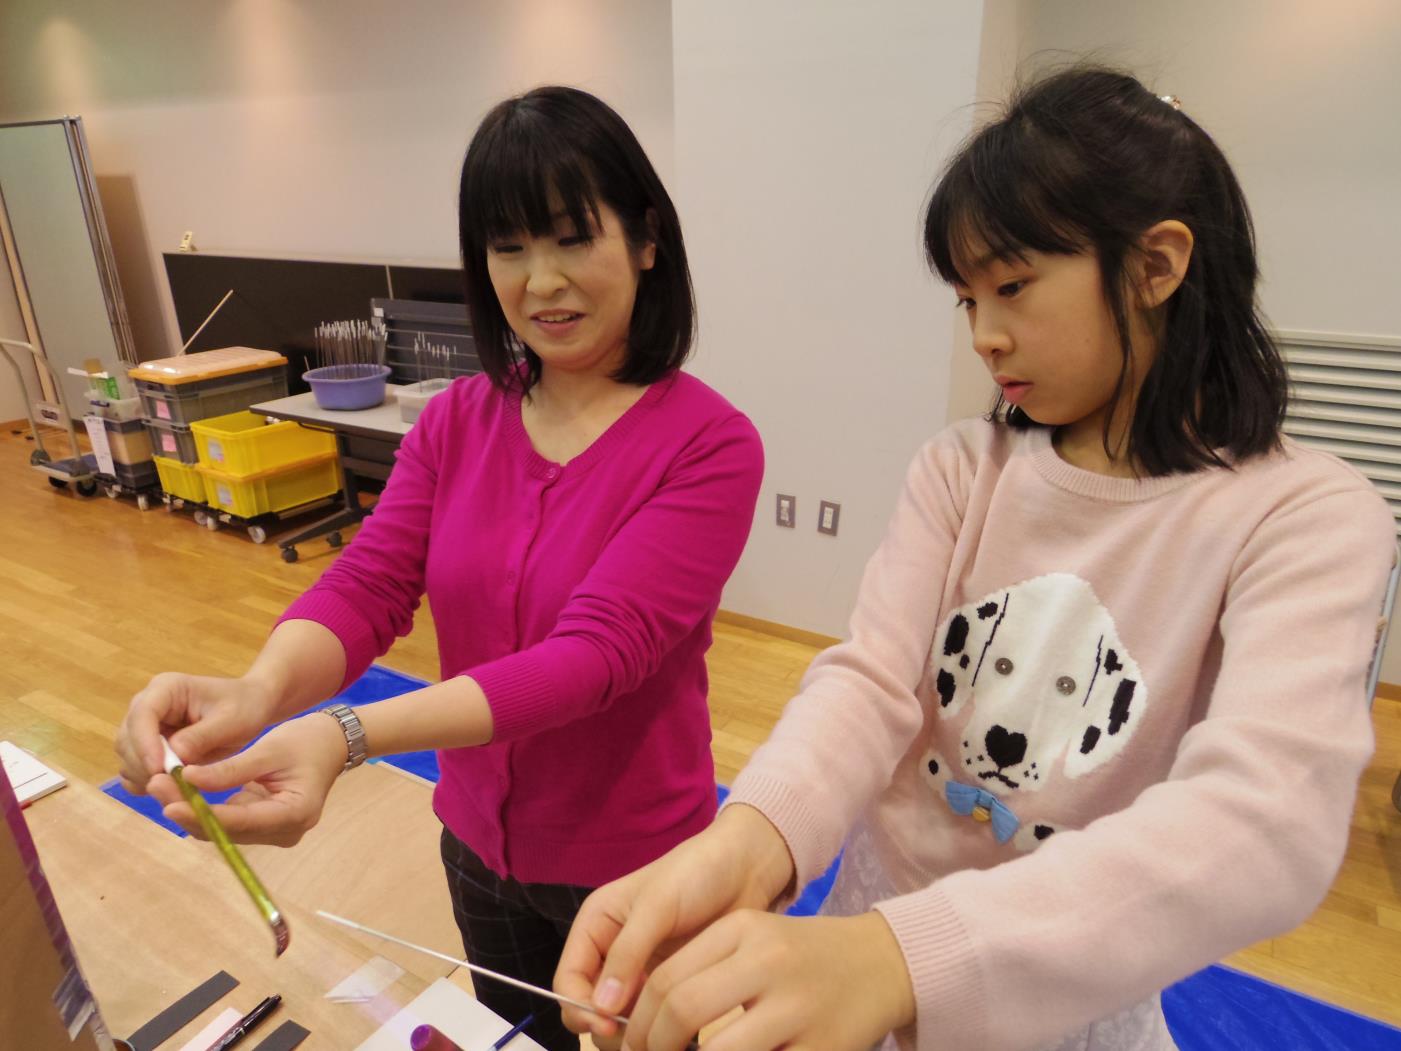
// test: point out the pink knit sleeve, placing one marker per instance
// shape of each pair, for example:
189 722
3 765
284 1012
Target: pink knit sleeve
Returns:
856 713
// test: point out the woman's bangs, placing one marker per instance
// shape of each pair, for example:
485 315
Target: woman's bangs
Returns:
519 187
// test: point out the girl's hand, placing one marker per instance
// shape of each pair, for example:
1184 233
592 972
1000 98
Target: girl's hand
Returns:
626 926
812 982
286 777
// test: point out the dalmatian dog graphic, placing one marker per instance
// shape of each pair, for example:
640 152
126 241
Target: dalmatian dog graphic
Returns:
1038 685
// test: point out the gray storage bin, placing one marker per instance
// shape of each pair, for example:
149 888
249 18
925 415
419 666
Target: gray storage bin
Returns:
185 403
173 441
138 475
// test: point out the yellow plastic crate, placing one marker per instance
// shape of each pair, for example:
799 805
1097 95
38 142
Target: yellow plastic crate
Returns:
270 491
243 443
180 479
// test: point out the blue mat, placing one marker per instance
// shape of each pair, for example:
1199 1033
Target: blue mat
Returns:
1217 1009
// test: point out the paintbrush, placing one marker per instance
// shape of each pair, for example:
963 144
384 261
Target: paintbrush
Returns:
215 831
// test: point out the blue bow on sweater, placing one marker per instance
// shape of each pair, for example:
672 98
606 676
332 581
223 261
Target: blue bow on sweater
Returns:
964 799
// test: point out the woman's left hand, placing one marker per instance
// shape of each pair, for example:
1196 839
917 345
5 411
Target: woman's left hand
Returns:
812 982
286 776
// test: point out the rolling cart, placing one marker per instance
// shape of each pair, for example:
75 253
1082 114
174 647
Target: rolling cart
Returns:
78 470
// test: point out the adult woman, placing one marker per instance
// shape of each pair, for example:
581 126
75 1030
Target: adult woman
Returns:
572 514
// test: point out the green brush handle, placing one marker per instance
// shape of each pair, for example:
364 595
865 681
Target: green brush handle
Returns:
215 831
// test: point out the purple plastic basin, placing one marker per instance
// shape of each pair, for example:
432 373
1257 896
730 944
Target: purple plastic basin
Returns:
348 386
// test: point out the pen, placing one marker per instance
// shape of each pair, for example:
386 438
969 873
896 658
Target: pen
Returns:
241 1028
512 1032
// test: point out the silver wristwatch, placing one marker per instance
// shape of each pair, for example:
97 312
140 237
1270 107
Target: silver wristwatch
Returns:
354 734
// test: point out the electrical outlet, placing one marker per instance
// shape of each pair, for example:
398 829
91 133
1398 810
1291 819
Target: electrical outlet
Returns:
787 513
827 515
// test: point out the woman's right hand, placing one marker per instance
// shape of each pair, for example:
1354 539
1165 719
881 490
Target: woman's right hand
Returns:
626 927
204 718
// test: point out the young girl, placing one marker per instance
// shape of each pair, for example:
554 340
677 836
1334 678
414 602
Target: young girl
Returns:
572 515
1102 714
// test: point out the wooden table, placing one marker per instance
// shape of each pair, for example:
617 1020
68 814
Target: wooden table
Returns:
152 915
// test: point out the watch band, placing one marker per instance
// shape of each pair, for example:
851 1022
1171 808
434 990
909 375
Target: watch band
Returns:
355 747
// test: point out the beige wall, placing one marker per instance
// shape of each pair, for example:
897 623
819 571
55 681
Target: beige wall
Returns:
316 128
807 136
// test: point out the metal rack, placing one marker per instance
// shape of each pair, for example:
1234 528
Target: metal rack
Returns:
442 324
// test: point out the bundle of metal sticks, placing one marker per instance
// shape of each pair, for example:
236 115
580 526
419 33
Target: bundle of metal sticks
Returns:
348 346
431 361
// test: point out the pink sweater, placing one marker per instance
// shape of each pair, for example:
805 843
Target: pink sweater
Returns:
580 598
1146 696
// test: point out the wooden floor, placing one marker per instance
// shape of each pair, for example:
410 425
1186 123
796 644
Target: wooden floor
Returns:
97 596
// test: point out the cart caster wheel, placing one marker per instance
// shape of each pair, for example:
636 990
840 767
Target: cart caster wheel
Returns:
87 488
257 534
201 517
143 502
334 539
177 504
112 493
211 522
58 483
289 554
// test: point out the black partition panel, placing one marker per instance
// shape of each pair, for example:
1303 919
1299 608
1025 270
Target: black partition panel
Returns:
425 284
277 303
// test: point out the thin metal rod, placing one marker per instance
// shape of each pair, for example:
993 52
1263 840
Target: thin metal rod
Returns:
484 972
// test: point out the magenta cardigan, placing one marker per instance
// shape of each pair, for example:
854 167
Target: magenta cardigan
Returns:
580 598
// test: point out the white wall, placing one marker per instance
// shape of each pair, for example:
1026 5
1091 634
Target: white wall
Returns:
314 128
807 138
1303 98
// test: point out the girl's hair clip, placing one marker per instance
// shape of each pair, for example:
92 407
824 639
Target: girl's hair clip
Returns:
1171 100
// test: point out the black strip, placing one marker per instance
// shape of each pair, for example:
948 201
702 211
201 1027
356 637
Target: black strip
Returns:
1099 663
1006 601
285 1037
182 1012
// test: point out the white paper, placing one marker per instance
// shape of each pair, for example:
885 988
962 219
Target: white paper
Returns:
27 776
377 975
101 447
222 1023
455 1013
